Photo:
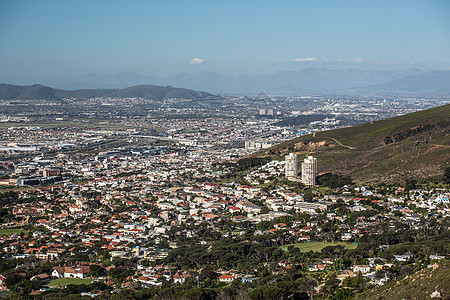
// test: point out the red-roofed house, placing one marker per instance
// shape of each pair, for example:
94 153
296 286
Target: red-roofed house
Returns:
233 209
181 277
226 278
3 283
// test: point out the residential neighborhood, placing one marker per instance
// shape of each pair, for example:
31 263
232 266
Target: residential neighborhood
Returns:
124 217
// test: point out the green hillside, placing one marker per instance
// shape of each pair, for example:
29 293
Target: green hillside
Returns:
36 91
416 145
420 285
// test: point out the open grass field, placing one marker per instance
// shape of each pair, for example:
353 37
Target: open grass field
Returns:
9 231
317 246
66 281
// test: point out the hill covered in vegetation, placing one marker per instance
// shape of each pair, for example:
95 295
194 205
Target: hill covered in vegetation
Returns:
415 145
40 92
425 284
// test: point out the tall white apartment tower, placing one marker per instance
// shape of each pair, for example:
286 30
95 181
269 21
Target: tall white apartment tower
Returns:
291 170
309 171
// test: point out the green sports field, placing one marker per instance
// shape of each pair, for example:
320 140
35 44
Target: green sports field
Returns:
66 281
317 246
9 231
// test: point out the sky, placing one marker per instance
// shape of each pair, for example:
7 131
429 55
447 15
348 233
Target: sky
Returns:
159 38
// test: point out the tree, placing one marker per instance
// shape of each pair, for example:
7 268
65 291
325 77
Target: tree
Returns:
293 272
307 285
264 225
308 195
447 175
410 184
337 264
343 294
199 294
208 273
268 291
264 210
96 271
356 282
331 284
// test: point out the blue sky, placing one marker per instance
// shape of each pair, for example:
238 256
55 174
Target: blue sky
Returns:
72 38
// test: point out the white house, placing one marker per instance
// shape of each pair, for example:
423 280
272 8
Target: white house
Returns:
180 277
361 268
226 278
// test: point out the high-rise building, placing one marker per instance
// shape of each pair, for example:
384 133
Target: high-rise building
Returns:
291 170
309 171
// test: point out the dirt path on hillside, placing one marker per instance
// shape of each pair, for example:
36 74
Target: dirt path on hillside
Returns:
345 146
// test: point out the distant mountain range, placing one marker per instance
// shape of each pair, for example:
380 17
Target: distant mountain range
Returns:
415 145
429 83
37 92
307 81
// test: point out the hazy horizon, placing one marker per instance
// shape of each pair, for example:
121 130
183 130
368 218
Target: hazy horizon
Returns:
49 39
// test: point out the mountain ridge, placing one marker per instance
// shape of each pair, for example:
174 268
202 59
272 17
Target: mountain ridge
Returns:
39 92
428 83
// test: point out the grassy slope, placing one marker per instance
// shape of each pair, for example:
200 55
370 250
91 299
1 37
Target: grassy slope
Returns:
419 285
318 246
66 281
9 231
360 150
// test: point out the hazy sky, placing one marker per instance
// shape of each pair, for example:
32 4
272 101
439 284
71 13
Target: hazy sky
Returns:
72 38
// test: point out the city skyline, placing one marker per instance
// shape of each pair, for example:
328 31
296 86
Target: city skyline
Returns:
158 38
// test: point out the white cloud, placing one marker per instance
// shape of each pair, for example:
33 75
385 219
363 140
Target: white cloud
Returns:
305 59
197 61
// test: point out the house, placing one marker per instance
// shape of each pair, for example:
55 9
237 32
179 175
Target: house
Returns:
403 257
76 272
226 278
249 279
233 209
310 208
381 280
70 272
361 268
305 238
436 257
3 283
43 277
346 236
180 277
58 272
149 280
316 267
248 207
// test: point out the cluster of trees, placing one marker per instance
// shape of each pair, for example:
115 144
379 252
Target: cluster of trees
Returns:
237 253
243 165
400 136
9 198
334 180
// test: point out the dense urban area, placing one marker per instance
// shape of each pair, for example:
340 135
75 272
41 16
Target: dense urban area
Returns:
129 198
